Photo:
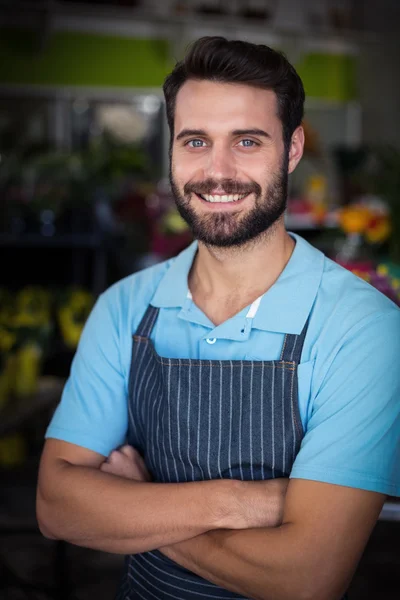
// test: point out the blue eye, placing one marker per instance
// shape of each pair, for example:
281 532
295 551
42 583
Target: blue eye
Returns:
248 143
195 143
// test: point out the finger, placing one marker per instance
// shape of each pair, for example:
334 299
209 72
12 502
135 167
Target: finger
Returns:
129 451
114 457
106 468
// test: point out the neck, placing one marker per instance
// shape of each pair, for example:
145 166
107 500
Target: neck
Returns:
247 271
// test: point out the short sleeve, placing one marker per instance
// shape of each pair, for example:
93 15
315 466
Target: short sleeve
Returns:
93 408
353 435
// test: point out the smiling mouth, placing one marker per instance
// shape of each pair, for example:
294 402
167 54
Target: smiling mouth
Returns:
222 197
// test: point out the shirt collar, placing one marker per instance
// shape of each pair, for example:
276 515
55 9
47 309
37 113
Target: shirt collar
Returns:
173 288
287 304
283 309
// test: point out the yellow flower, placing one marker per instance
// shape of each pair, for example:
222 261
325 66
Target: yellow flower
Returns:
73 314
378 230
7 339
382 270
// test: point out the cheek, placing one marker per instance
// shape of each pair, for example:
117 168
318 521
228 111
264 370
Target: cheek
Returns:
177 175
185 168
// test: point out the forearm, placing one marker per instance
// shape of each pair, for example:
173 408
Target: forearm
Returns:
99 510
262 564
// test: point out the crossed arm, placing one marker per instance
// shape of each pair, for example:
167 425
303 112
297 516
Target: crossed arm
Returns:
312 555
311 552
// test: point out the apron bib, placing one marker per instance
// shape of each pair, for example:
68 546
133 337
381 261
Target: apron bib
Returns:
206 419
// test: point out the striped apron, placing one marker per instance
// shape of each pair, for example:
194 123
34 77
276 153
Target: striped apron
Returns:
206 419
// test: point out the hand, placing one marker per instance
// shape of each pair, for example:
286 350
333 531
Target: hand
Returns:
258 504
126 462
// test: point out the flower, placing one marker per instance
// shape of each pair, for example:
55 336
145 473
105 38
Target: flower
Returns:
354 218
378 230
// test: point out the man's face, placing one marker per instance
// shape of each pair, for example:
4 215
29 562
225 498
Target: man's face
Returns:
229 168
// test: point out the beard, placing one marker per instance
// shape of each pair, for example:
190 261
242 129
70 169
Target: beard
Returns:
226 230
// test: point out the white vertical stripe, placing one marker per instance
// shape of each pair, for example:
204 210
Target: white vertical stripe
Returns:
132 398
140 384
162 592
153 565
150 438
145 408
251 421
230 420
283 422
133 422
144 331
294 346
161 398
188 418
240 419
273 417
283 346
139 366
154 420
220 419
209 423
178 419
169 424
262 419
292 414
198 426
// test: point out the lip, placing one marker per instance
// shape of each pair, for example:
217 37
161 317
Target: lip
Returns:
228 206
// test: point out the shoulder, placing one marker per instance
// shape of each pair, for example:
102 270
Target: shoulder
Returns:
347 303
353 319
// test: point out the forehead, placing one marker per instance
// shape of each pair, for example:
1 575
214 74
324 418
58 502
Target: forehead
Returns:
207 104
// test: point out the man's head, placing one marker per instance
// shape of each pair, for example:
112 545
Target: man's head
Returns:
234 111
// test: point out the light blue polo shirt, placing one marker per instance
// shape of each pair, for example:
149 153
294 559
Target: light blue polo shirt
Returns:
349 376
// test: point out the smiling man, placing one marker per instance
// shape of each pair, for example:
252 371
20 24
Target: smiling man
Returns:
231 422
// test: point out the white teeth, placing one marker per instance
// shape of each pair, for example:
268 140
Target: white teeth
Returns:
223 198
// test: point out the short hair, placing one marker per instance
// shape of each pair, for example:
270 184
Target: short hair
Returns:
217 59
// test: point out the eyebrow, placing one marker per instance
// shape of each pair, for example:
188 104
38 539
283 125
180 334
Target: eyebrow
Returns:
189 132
259 132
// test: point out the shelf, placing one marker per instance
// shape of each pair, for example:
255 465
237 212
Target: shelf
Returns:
142 21
35 240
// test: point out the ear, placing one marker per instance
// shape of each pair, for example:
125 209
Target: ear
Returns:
296 148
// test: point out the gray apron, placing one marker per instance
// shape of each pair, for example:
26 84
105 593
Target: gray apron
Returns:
206 419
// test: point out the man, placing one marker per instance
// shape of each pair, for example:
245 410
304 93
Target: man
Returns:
202 384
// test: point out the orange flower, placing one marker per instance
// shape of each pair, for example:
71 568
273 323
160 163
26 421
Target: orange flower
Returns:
354 219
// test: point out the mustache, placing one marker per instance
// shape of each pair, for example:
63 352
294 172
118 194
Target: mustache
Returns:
227 186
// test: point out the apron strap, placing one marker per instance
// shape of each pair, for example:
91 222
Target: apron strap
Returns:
293 345
147 323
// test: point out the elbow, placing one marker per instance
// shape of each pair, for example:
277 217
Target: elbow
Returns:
317 589
304 586
46 525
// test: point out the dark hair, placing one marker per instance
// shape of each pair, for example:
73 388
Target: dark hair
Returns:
233 61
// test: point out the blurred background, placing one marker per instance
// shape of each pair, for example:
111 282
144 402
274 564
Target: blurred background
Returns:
85 201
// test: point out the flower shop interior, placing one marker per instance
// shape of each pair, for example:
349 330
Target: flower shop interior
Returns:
85 201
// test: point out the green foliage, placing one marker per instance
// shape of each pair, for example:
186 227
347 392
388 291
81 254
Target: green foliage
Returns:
59 180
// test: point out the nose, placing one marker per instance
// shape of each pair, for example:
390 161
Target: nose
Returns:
220 164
